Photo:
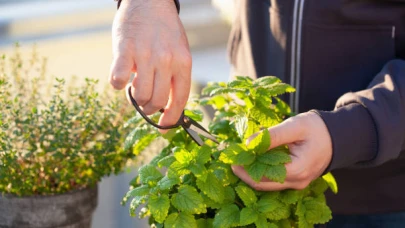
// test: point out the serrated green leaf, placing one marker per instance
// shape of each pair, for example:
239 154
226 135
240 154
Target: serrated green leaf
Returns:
135 120
205 223
240 83
178 169
167 182
144 142
166 161
289 196
222 90
261 143
241 124
251 129
266 205
222 127
282 211
202 154
256 170
237 154
135 135
330 180
261 222
199 171
212 86
188 200
170 134
224 173
227 217
316 212
228 155
284 223
219 102
212 187
243 78
230 195
265 116
266 81
277 89
319 186
149 173
245 158
139 191
246 194
282 107
248 216
270 195
274 157
183 156
180 220
196 115
209 202
159 207
276 173
272 225
135 203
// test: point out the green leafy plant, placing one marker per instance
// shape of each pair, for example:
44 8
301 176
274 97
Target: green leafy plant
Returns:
190 186
55 138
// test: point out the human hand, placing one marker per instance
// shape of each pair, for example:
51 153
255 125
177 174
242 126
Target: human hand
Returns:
149 39
310 149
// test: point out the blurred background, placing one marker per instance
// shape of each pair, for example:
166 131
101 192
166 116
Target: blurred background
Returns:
75 37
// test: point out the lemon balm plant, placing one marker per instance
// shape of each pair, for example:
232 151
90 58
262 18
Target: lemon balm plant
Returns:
191 186
56 143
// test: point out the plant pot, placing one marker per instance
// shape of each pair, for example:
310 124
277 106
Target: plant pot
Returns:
70 210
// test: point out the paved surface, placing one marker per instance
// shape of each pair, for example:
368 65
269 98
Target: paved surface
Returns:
85 51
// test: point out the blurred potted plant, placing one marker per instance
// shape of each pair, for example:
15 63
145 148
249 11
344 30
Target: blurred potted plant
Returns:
190 186
56 143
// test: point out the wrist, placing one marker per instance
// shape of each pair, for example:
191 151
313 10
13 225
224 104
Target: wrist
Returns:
176 2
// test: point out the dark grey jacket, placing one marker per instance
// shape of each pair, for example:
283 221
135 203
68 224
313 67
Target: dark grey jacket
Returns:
346 59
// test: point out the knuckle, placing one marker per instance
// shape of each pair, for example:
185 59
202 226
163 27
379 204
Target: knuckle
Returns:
117 82
302 185
303 175
141 98
144 54
256 186
164 58
157 103
185 60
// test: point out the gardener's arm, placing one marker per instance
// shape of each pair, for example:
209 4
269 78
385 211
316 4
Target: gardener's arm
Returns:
365 129
149 39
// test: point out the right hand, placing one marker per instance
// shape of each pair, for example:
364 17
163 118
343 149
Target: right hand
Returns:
149 39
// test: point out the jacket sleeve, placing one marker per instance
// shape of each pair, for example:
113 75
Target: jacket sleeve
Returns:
367 128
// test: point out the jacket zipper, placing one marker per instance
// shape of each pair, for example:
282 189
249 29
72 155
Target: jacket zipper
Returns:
296 53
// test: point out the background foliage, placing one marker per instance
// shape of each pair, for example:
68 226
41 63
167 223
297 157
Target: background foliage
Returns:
191 186
55 137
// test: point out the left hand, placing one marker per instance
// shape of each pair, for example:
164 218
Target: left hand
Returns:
310 148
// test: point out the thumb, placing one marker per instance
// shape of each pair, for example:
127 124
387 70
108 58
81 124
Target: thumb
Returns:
121 69
287 132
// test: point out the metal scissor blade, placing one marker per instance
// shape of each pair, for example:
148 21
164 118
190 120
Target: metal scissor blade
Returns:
200 130
194 135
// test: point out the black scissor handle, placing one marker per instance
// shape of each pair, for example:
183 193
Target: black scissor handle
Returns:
179 122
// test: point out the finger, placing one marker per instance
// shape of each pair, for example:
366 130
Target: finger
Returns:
161 91
142 83
179 93
120 72
289 131
265 185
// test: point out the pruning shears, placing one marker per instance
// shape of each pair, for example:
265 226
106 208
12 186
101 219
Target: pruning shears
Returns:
191 126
